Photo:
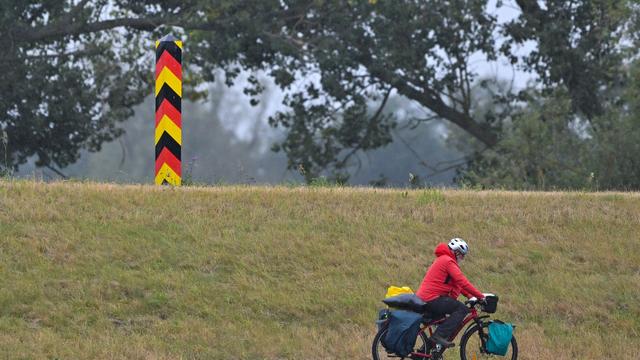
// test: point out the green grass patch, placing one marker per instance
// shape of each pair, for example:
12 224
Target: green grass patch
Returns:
100 271
430 196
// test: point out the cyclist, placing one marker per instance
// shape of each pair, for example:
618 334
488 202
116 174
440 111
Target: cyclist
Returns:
441 286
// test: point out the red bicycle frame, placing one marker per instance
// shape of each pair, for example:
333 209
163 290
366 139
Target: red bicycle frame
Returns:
472 316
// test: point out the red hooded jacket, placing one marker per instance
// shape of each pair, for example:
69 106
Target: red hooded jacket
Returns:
444 277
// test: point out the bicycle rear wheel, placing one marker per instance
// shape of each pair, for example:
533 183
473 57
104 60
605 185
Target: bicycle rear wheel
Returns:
471 346
378 352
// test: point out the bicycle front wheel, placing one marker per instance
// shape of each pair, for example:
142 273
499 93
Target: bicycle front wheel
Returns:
378 352
471 346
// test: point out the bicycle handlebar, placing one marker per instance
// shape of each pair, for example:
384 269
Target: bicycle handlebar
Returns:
473 302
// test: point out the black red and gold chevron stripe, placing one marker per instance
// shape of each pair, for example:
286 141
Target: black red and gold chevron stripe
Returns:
168 138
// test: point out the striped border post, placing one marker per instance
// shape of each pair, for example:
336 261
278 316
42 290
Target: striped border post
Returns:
168 137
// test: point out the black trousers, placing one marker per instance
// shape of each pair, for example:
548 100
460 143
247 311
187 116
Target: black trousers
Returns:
445 305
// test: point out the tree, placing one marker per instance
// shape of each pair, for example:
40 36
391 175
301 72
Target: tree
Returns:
579 46
541 149
360 53
579 131
73 99
64 86
616 138
74 69
548 147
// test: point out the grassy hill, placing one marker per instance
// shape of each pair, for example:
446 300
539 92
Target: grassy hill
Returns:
95 271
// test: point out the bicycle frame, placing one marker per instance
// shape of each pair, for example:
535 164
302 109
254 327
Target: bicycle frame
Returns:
472 316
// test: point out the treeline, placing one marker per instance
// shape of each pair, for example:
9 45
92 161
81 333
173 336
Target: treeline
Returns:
74 71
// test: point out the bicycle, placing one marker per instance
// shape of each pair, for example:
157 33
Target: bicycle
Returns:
472 343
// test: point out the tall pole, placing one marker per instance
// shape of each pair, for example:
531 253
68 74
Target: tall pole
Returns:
168 137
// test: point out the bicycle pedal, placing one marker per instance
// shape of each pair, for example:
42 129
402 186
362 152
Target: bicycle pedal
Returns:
440 347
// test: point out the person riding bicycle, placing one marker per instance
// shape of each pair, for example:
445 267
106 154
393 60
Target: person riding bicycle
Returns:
441 286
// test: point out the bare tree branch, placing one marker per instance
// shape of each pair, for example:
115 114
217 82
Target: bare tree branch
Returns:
372 120
413 151
28 34
60 173
427 98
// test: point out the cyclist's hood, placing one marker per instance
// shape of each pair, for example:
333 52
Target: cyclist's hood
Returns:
443 250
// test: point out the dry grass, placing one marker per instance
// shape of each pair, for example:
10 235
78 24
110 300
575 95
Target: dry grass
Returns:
99 271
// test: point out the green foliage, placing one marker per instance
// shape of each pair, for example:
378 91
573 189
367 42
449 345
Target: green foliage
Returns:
548 147
430 196
579 46
71 76
65 90
539 150
362 52
577 133
616 138
291 40
320 182
323 181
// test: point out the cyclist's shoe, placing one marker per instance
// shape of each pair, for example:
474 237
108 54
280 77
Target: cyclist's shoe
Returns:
441 341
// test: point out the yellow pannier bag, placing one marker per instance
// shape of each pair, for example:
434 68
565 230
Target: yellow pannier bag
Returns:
395 290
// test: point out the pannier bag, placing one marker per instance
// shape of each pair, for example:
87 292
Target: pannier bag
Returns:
500 335
402 332
491 304
409 302
383 315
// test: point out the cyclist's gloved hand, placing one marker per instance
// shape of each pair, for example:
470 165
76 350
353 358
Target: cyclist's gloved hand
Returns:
484 300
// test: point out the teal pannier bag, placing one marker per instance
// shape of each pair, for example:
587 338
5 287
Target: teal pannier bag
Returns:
500 335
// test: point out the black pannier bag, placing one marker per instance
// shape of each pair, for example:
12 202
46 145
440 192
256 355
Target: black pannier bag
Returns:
402 332
491 304
409 302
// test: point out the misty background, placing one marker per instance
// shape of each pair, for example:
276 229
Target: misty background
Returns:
226 140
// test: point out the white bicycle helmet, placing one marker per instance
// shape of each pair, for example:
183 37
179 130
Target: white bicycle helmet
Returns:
459 246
